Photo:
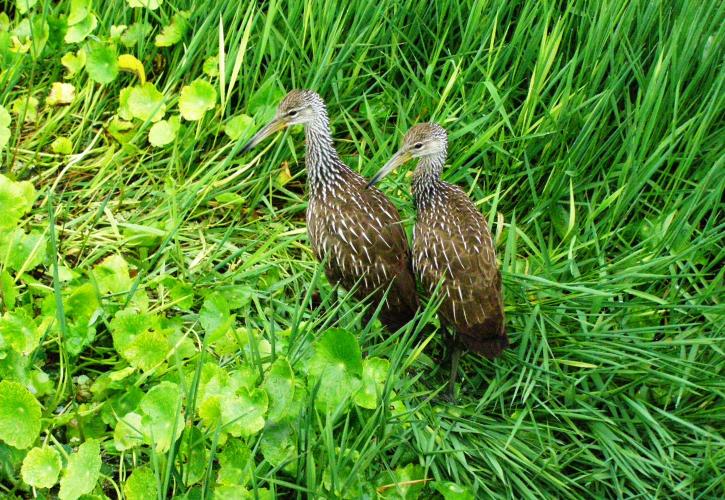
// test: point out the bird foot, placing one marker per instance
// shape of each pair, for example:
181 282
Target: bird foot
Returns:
447 397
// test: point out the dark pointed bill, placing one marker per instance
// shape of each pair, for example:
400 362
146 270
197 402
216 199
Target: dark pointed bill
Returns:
272 127
398 159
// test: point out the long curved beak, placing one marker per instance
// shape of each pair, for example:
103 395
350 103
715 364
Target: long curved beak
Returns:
272 127
397 160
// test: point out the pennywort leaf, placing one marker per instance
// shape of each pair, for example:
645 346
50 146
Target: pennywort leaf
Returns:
164 132
82 472
196 99
146 103
19 415
149 4
4 128
101 63
16 199
141 484
41 467
60 93
174 32
336 366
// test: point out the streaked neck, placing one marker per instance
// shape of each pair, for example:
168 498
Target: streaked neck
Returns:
323 164
427 184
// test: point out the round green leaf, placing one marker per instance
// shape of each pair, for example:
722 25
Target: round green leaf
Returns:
19 415
280 386
8 289
41 467
149 4
337 366
163 132
236 463
141 484
239 126
127 433
112 275
193 454
24 251
82 471
238 415
127 324
26 107
147 350
16 199
62 145
278 444
124 110
162 416
74 62
452 491
79 31
4 127
33 34
135 34
211 66
117 31
60 93
196 99
101 63
215 317
146 103
375 371
39 35
19 331
174 32
79 10
403 483
24 6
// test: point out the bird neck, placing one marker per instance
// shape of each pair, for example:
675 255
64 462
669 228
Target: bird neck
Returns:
324 168
427 184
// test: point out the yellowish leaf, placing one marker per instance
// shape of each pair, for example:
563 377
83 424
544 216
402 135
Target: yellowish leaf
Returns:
61 93
127 62
284 175
577 364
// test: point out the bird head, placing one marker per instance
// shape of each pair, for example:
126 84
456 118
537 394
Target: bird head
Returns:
426 140
299 107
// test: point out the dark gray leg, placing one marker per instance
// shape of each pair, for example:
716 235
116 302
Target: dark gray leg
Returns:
455 357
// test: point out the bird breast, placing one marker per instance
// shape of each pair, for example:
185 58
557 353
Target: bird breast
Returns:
456 253
349 235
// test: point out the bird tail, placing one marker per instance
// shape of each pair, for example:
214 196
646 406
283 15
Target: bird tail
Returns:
395 315
402 302
488 338
492 347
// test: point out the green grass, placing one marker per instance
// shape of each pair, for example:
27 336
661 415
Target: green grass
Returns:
589 133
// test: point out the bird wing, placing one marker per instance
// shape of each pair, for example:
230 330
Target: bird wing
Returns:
363 239
454 247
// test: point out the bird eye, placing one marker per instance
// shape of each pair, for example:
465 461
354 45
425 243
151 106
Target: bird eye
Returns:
418 145
292 113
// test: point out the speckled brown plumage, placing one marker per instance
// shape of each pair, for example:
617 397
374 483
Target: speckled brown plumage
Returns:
453 247
356 231
360 233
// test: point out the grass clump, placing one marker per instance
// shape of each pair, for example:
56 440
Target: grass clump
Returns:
156 286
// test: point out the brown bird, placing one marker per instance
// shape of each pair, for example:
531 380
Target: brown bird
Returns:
356 229
453 248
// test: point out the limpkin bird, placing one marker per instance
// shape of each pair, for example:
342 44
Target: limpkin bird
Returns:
356 231
453 248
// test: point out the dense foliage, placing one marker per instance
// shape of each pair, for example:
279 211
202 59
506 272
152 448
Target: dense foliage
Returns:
165 330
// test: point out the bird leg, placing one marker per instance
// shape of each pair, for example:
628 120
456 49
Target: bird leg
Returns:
455 357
